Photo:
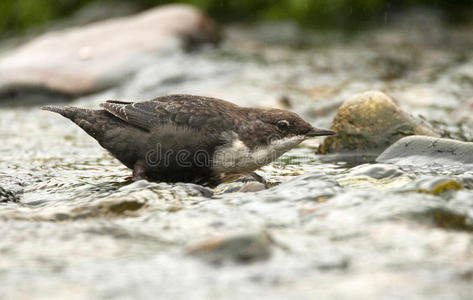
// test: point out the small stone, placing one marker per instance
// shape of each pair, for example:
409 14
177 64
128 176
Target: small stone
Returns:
107 209
8 196
121 207
174 208
244 248
371 122
61 217
446 219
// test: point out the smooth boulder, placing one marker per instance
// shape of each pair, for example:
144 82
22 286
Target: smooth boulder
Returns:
371 122
90 58
424 150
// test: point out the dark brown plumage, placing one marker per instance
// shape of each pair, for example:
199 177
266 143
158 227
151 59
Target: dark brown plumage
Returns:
191 138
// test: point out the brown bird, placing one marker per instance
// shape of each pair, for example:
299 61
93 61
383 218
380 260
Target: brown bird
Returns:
191 138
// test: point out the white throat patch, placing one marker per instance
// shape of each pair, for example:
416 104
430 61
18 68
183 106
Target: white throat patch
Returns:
237 157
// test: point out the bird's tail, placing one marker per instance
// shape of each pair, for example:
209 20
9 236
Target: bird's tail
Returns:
91 121
66 111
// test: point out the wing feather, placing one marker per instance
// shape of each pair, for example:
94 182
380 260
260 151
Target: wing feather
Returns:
132 113
178 110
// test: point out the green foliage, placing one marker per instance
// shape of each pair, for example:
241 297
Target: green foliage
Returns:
22 14
18 15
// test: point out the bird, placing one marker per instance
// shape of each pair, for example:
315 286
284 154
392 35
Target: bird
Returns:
188 138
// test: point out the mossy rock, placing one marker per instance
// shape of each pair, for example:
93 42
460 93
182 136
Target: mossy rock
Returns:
371 122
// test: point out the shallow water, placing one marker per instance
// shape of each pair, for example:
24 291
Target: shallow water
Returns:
81 229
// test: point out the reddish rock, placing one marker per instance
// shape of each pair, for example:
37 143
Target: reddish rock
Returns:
90 58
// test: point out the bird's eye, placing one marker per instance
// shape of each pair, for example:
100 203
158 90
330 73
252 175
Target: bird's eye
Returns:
283 124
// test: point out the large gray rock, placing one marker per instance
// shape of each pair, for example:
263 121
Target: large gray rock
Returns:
424 150
371 122
90 58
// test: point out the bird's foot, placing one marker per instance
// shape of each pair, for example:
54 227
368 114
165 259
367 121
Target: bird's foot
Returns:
139 172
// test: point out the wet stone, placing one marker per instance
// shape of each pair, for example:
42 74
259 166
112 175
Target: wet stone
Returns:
245 248
423 150
12 187
371 122
8 196
445 219
104 209
433 185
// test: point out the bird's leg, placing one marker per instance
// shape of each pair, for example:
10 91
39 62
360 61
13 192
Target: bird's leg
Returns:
139 171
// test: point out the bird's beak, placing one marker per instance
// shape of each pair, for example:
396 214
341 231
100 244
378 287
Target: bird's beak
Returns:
319 132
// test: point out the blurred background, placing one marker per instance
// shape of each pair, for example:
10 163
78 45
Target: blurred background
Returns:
18 16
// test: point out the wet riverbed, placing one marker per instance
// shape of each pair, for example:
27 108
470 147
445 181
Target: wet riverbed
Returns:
74 226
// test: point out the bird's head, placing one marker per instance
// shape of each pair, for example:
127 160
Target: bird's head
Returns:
278 130
267 133
287 124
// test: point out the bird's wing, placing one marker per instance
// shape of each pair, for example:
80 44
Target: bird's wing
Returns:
179 110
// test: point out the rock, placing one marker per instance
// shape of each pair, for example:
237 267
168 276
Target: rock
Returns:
8 196
244 248
446 219
424 150
114 208
371 122
433 185
97 56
